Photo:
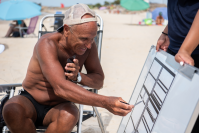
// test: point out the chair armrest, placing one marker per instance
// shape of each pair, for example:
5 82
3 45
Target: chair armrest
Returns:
5 87
11 85
21 28
89 89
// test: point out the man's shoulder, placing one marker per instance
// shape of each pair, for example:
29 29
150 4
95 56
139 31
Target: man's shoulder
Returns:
47 41
45 45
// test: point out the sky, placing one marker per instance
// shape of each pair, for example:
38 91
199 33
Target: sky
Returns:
56 3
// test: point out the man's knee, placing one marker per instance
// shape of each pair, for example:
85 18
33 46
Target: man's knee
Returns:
69 112
17 108
12 110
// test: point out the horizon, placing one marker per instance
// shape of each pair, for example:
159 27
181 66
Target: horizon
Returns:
52 3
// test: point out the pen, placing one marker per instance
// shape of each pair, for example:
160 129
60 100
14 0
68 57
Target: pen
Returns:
124 102
129 104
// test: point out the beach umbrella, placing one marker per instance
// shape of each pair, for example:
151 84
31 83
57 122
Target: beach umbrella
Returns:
156 12
134 5
18 10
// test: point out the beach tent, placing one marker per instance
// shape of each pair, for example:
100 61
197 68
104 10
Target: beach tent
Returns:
156 11
134 5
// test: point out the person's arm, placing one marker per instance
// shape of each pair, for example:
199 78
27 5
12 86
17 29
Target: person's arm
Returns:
52 70
190 43
163 41
94 77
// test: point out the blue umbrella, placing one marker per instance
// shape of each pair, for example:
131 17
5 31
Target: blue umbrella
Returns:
156 11
18 10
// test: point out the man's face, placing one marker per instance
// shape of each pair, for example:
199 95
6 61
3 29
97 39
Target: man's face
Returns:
81 37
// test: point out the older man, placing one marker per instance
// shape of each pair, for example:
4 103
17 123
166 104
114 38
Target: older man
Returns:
49 90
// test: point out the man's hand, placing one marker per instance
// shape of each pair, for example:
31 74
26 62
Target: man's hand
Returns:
185 57
74 68
163 42
116 107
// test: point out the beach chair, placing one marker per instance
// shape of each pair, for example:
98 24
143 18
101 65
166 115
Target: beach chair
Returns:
30 29
58 21
9 89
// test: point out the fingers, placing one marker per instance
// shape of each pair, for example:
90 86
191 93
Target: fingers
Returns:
70 69
124 105
74 68
121 112
158 45
76 62
162 43
185 58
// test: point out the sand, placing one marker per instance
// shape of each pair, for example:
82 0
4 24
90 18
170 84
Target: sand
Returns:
124 50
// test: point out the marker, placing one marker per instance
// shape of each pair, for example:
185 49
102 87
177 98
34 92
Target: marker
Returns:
124 102
129 104
137 103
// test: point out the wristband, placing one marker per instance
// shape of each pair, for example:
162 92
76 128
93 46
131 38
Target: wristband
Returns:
165 33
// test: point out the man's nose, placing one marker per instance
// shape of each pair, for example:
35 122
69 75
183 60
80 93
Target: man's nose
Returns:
88 45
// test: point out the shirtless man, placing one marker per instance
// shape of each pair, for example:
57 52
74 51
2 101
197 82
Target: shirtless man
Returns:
159 19
49 93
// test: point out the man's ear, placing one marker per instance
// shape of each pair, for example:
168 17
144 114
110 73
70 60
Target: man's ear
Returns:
66 30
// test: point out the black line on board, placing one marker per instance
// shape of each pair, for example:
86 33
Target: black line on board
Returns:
156 102
158 97
162 84
165 67
154 106
162 87
150 114
146 123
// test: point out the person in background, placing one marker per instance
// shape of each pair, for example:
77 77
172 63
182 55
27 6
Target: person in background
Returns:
159 19
180 37
14 31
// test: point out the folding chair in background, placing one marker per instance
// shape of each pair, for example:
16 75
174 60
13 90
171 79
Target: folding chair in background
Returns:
30 29
83 114
58 21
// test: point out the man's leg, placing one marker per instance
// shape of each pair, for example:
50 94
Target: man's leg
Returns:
19 115
61 118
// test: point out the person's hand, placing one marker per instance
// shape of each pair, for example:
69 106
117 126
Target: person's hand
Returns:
163 42
185 57
116 107
74 68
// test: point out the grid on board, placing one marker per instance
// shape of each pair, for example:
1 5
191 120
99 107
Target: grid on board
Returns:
153 93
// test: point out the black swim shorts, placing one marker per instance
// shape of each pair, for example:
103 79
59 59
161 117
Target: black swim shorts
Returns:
40 109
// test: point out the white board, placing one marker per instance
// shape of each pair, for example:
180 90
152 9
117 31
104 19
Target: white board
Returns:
170 95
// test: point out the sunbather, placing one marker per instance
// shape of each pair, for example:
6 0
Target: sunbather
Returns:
50 92
159 19
14 31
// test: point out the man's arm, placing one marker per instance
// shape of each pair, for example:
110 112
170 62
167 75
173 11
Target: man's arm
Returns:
95 76
190 43
54 73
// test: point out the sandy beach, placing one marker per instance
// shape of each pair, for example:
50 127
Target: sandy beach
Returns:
125 47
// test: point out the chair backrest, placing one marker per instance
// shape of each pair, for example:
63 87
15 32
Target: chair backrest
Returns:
32 25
